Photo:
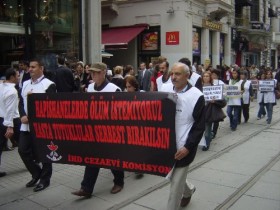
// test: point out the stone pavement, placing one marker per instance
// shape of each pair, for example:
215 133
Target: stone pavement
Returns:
240 171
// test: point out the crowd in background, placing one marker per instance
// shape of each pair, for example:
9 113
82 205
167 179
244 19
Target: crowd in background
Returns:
157 76
76 77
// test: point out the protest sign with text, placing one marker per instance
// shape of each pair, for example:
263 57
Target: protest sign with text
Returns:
125 131
233 91
214 92
255 84
266 85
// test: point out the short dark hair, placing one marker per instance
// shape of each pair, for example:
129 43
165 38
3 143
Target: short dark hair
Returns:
216 71
186 61
61 59
39 61
10 72
166 63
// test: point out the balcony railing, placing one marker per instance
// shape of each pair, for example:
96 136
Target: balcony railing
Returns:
242 22
245 23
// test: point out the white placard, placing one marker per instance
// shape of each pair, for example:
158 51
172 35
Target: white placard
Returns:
233 91
266 85
214 92
255 84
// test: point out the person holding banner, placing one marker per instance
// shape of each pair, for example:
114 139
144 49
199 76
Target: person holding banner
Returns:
190 126
247 95
234 102
132 86
100 84
37 84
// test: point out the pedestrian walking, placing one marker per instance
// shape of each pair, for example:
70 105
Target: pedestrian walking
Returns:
234 104
9 114
37 84
190 125
100 84
215 75
247 96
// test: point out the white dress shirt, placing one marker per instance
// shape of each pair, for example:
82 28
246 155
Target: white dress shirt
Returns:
8 103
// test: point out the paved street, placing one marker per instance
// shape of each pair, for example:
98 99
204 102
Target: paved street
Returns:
240 171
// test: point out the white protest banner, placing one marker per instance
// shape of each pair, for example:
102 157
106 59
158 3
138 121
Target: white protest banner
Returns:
266 85
214 92
233 91
255 84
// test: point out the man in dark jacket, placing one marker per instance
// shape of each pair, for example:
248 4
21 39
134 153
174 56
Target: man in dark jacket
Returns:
64 78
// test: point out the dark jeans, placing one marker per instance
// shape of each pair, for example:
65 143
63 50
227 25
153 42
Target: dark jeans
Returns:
269 109
3 129
233 114
27 154
91 174
207 133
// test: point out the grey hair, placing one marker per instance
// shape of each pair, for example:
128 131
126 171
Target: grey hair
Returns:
185 67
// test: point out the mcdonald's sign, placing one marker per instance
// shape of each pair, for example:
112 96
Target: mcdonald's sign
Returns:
172 38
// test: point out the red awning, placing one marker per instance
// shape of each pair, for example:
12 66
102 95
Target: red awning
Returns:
119 37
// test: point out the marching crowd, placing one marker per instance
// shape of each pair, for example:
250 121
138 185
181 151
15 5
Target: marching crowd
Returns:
195 117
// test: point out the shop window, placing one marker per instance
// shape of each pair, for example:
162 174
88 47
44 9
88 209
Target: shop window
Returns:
11 12
57 29
149 45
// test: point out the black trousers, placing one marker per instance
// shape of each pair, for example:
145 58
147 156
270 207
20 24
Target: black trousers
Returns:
215 127
245 111
91 174
3 130
27 154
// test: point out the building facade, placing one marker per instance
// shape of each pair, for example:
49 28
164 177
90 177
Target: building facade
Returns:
219 32
199 30
256 23
39 27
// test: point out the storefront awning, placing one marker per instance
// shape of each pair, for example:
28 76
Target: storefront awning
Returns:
119 37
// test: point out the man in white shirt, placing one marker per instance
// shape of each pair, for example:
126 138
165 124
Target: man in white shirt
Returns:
37 84
9 115
165 77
